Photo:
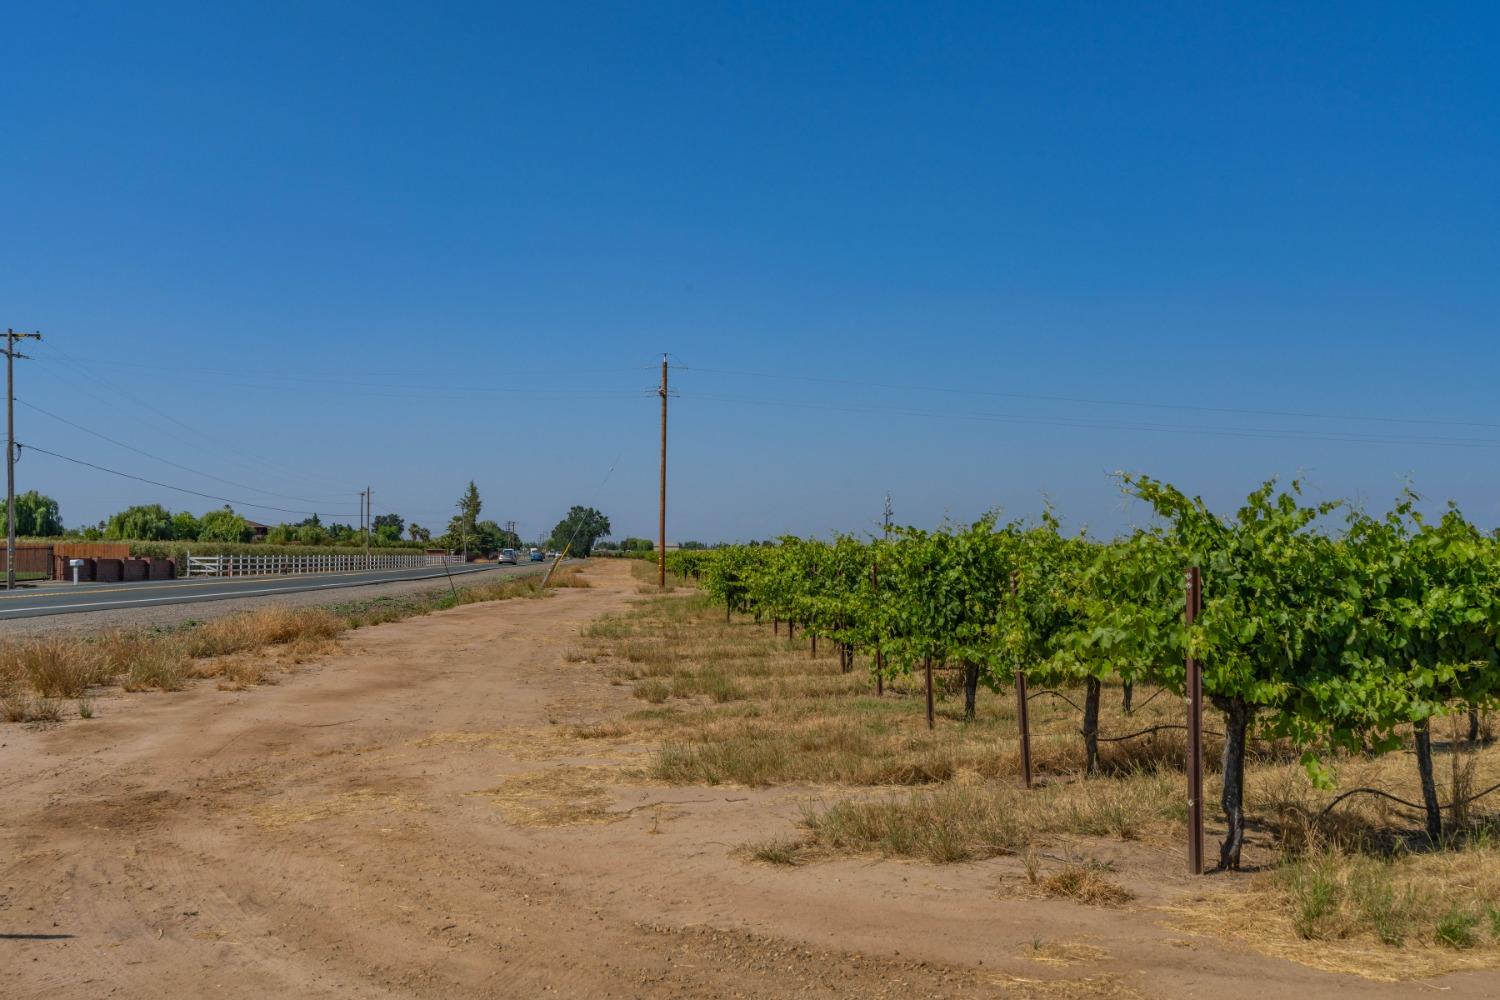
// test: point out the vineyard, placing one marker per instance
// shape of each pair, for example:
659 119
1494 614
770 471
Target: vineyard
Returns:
1334 633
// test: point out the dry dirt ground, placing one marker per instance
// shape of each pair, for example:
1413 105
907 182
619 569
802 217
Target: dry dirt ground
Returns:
416 816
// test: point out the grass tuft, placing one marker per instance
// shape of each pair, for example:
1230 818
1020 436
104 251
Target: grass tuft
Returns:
775 852
1085 884
1456 927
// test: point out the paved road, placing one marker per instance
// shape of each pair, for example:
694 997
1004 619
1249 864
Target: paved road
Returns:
69 599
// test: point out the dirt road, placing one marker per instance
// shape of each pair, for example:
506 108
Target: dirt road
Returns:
416 816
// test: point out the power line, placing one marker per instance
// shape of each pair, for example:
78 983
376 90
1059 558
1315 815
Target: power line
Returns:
406 376
167 461
81 369
404 389
1143 404
179 489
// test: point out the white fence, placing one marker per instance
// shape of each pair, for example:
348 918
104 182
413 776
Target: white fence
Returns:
279 565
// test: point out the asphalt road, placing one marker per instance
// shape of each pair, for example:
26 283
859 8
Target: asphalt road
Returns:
69 599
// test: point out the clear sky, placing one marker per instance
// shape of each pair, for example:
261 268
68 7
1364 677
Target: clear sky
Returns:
970 254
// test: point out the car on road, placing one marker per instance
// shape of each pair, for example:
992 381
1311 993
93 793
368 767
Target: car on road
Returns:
507 557
536 554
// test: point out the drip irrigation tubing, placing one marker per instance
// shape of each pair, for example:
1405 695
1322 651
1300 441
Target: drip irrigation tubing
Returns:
1152 729
1158 694
1410 805
1055 694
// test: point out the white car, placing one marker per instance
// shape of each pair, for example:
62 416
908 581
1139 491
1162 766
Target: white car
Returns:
507 557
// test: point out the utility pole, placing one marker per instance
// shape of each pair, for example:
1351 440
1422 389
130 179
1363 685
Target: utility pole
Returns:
661 510
364 518
463 529
11 354
886 520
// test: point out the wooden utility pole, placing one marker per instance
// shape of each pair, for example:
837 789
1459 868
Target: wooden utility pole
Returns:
11 354
366 508
661 510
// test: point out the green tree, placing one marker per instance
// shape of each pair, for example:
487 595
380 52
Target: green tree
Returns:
469 505
224 526
344 534
388 528
418 533
185 526
582 527
282 534
146 522
462 526
36 515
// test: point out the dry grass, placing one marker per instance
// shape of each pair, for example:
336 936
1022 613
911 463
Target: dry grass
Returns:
255 630
19 706
572 795
361 802
158 667
53 666
1063 952
646 571
240 650
1084 884
568 576
955 822
1395 918
775 851
742 706
733 704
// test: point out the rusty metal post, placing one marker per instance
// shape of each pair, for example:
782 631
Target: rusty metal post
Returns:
927 666
814 653
1023 715
1194 730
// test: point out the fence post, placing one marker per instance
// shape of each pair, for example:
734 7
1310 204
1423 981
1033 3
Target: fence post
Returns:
927 667
1194 729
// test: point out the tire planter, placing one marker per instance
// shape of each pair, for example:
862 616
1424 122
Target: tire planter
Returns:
65 572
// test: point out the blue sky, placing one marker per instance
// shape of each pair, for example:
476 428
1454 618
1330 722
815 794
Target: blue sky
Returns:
972 255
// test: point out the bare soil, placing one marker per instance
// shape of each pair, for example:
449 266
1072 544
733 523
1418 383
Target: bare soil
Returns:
419 815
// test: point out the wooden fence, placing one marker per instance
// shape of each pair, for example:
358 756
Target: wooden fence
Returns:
48 561
32 561
91 550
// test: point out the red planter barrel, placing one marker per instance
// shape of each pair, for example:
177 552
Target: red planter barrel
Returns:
136 569
109 570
